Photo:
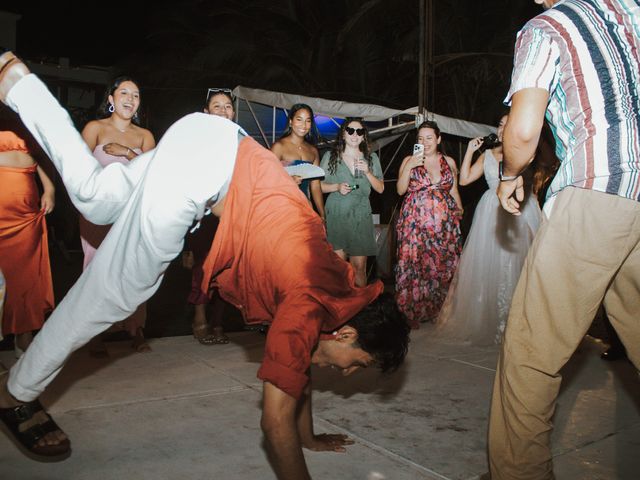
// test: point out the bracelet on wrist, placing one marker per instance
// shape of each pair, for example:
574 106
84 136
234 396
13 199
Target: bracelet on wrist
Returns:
505 178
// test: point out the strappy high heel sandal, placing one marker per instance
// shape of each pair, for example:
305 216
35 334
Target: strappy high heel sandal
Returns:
201 333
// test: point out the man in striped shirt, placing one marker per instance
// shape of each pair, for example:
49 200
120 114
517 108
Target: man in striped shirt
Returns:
576 63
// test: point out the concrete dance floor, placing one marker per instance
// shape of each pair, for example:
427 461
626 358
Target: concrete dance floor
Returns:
187 411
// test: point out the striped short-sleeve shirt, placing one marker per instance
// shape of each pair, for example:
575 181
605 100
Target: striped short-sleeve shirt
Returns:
585 53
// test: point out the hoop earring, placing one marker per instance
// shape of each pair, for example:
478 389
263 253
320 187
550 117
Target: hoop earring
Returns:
111 108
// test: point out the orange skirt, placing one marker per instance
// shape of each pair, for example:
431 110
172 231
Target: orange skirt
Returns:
24 253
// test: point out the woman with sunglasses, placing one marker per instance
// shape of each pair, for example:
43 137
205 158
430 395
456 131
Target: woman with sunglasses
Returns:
428 228
351 171
297 146
116 137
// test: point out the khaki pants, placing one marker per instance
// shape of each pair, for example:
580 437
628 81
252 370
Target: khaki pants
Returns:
587 252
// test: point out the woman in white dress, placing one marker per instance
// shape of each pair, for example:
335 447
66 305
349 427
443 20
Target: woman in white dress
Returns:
477 304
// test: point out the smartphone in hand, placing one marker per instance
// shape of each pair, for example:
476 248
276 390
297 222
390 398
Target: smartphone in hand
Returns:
418 149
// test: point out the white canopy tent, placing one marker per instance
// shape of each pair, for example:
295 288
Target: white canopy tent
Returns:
258 112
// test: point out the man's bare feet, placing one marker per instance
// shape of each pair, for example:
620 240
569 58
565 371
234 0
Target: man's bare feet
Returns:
33 430
11 71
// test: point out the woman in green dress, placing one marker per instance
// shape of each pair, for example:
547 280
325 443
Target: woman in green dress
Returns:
351 171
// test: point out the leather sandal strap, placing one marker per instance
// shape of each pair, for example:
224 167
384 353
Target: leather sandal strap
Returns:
9 62
34 433
23 422
36 404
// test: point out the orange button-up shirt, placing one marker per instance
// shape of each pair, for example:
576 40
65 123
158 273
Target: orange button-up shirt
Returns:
270 257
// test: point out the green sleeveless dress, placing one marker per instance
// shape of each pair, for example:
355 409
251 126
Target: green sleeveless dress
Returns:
349 222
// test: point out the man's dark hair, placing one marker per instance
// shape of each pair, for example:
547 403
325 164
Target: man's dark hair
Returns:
383 332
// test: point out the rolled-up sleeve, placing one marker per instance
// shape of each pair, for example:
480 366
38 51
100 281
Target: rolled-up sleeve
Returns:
292 337
536 62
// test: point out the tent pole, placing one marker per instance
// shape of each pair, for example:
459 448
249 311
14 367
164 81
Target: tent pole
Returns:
425 56
273 126
395 154
421 56
430 86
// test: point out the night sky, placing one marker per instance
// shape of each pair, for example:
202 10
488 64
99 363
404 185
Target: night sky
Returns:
343 49
86 32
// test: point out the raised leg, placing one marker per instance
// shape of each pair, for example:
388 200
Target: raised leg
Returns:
152 214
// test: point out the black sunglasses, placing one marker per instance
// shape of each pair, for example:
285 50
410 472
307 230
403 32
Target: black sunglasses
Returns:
351 131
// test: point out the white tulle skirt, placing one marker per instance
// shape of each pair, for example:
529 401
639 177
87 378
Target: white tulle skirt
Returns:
477 304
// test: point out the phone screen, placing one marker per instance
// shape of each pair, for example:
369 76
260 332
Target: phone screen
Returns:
418 149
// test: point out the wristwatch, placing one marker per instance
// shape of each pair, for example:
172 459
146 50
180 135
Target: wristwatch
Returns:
505 178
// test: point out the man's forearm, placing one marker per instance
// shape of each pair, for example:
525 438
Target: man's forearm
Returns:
286 452
280 429
304 417
517 156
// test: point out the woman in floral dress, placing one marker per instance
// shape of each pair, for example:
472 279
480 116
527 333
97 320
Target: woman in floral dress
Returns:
428 229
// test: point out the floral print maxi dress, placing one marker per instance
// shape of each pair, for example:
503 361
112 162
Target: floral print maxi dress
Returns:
429 245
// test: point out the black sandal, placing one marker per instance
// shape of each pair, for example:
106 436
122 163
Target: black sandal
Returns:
26 424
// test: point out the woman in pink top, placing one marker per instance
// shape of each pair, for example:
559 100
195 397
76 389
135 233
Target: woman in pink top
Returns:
116 138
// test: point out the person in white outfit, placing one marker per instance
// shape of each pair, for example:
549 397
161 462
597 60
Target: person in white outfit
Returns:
151 202
150 222
477 305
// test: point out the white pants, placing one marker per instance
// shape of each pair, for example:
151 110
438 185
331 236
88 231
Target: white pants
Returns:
151 201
